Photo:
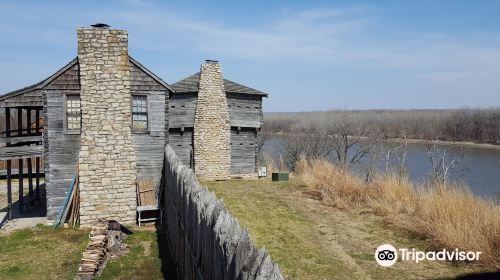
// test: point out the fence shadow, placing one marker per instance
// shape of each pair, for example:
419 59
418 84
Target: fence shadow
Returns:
168 268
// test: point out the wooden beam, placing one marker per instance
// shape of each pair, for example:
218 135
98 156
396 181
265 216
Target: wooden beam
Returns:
28 120
12 140
30 180
21 187
7 122
37 170
19 121
9 189
20 152
37 117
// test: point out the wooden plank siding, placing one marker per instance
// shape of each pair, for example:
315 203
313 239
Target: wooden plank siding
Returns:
140 81
63 149
68 80
245 113
150 144
245 110
182 143
182 109
29 99
243 157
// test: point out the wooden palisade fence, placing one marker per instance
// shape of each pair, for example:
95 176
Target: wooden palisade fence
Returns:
206 241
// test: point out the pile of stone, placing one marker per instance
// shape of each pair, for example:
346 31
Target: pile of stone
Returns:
106 242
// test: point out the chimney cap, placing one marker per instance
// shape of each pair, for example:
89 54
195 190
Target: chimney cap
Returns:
211 61
100 25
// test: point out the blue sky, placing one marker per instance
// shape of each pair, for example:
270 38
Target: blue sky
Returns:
308 55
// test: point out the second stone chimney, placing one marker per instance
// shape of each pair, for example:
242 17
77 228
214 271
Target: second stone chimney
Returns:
212 129
107 170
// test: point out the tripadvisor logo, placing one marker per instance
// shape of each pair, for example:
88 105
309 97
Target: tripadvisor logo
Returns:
386 255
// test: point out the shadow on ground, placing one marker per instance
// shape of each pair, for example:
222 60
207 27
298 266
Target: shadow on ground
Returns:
32 213
168 268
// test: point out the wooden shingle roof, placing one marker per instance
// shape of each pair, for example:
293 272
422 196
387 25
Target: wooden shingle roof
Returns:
190 84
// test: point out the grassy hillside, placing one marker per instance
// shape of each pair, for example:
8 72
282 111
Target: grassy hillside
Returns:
312 240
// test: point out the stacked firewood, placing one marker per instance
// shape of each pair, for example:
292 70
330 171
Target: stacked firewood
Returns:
105 242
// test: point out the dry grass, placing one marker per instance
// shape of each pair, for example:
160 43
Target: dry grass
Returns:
333 185
447 216
274 166
455 218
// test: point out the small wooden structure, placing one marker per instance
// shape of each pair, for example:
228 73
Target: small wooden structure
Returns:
147 201
22 141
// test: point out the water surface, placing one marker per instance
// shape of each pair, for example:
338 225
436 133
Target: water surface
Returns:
479 167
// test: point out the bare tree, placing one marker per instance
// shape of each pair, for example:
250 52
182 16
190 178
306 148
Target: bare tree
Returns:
308 139
442 163
348 144
395 157
262 137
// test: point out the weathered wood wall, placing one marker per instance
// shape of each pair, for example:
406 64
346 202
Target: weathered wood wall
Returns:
181 110
243 157
62 156
245 110
205 240
245 113
147 145
182 143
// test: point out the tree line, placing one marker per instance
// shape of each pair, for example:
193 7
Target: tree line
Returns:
472 125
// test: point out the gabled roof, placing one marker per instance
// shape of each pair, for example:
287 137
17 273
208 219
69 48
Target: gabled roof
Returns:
151 74
47 81
40 84
190 84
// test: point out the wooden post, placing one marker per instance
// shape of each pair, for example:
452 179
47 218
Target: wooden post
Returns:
37 124
28 120
37 170
7 122
19 121
9 189
30 180
21 190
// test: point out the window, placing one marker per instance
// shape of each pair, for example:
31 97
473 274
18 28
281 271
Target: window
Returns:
139 112
73 113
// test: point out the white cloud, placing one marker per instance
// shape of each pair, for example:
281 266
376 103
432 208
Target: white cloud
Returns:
333 38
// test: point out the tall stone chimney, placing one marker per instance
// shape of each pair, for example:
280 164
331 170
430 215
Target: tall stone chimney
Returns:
107 171
212 129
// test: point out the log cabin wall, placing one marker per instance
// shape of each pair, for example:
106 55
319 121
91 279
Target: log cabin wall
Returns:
150 143
246 121
61 147
243 151
181 122
245 113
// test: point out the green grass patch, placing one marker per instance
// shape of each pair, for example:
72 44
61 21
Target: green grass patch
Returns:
41 253
143 261
285 233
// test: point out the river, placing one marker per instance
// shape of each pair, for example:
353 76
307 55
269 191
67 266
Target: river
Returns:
479 167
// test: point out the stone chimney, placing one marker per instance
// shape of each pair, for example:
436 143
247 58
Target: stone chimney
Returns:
107 171
212 129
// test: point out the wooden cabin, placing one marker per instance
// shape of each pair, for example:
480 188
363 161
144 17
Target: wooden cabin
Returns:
245 111
160 114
